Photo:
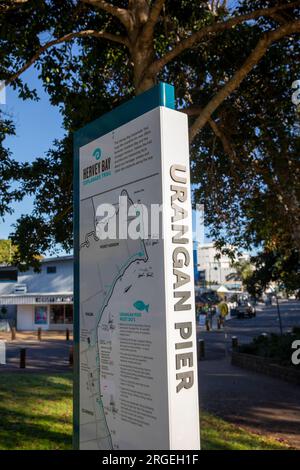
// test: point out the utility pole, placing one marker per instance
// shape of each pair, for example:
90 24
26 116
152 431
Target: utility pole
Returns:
278 311
279 315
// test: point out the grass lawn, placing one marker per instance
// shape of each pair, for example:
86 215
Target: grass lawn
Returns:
36 413
217 434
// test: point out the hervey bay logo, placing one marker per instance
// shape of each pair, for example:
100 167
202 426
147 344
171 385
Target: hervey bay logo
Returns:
97 153
98 170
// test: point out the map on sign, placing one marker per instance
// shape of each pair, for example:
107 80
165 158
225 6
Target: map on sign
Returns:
121 315
99 318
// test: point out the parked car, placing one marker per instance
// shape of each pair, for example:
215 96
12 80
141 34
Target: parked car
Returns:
244 309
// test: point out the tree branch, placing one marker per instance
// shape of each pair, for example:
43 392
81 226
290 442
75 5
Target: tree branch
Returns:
153 19
228 149
11 4
65 38
121 13
255 56
187 43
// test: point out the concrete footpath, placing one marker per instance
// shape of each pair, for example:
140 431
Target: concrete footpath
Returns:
254 401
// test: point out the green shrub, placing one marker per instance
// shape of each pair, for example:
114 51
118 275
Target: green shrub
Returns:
275 347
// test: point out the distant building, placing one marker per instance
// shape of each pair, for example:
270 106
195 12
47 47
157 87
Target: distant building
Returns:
8 277
217 271
40 300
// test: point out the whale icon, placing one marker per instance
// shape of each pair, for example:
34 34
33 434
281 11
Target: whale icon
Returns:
140 305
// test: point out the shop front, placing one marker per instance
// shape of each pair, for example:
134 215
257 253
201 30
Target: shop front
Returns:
49 312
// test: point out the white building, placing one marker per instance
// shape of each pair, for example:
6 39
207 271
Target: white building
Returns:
217 270
43 299
8 278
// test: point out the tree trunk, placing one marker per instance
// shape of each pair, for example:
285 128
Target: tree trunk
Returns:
141 45
142 57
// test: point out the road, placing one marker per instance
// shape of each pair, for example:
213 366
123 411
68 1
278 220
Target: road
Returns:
50 355
218 342
254 401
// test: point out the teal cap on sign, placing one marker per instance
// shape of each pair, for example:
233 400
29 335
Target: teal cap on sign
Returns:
161 94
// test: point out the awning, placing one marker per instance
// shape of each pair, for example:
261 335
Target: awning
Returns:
37 298
223 290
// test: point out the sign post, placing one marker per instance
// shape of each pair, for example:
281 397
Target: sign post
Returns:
135 336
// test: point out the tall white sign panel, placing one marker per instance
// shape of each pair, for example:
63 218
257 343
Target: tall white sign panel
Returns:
137 335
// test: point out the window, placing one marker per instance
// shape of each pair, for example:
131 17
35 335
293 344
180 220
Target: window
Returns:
51 269
68 313
57 314
61 314
40 315
8 275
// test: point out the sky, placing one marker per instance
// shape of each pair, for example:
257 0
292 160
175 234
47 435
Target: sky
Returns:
37 124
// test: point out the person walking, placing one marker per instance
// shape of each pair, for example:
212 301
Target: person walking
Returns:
223 312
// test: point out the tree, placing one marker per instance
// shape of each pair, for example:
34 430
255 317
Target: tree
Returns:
9 170
222 61
135 29
7 251
274 267
255 201
243 271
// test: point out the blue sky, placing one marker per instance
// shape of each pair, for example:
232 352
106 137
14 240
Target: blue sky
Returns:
37 125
